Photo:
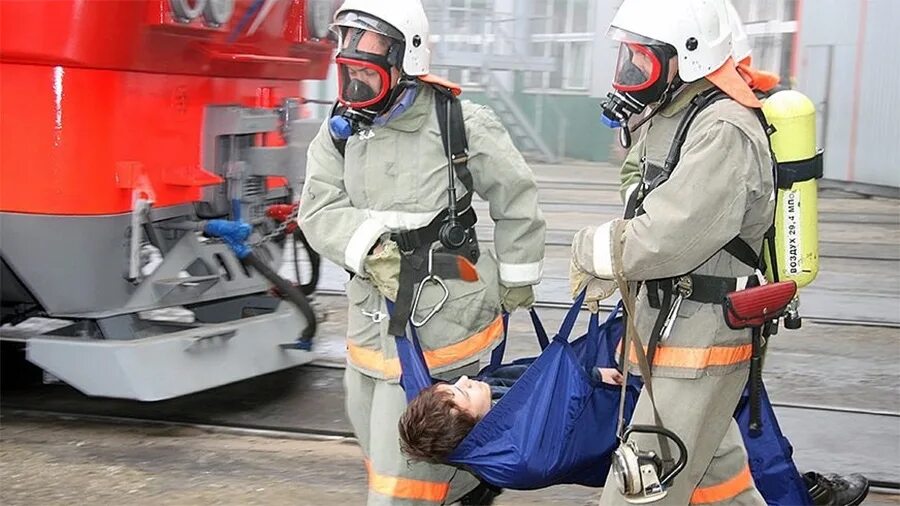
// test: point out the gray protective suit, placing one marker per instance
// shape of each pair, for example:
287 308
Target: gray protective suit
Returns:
722 187
394 178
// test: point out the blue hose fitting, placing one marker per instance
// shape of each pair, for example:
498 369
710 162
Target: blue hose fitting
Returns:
340 127
234 233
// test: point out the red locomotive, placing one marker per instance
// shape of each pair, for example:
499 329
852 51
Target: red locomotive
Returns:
123 125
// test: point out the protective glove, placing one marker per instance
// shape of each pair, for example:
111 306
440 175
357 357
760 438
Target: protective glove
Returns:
517 297
597 289
383 269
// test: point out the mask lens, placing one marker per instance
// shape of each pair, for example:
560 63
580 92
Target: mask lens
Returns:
358 91
361 84
637 68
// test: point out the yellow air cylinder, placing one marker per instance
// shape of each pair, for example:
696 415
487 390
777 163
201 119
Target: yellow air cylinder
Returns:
799 165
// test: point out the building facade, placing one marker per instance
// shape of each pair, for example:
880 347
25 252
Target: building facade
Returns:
545 65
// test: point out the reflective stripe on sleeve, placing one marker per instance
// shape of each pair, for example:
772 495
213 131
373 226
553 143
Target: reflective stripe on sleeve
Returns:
516 274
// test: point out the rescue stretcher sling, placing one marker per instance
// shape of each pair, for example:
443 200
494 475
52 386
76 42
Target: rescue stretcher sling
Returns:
557 424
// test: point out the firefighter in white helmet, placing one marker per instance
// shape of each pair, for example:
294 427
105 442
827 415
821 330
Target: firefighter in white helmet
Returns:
376 201
690 206
825 489
761 82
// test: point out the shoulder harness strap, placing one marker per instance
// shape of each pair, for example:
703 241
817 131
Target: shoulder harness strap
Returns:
737 247
453 133
698 104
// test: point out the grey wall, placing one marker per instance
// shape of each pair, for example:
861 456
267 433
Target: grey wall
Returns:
848 55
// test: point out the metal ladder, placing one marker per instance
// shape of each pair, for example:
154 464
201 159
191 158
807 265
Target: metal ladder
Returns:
497 53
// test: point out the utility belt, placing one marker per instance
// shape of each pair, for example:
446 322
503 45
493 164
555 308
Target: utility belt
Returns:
745 301
698 288
425 261
411 240
666 295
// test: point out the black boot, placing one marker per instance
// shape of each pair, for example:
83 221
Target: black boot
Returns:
836 490
482 495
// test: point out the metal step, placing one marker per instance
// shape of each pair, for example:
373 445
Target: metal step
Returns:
523 133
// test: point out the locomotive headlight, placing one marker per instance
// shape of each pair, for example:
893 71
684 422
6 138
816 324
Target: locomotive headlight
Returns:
319 14
218 12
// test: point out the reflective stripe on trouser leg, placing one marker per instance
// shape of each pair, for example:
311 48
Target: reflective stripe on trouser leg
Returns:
700 412
399 488
393 478
728 479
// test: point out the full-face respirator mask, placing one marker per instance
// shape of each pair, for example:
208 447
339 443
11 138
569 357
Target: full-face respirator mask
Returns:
365 87
641 79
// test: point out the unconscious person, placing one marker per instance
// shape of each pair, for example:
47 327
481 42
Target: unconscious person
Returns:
441 416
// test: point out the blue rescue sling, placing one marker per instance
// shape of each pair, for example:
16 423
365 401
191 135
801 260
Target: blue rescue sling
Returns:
557 424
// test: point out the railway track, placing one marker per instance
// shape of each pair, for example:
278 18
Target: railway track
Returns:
546 304
262 428
828 249
824 216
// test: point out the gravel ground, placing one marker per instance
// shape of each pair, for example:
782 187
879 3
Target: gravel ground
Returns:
54 461
49 462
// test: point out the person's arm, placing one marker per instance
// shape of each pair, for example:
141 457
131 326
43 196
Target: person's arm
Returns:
608 375
502 177
334 228
687 219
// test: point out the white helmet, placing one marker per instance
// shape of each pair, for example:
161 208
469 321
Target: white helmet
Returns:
699 30
740 43
404 16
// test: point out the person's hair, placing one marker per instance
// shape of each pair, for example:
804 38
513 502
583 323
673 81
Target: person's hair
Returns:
432 426
382 41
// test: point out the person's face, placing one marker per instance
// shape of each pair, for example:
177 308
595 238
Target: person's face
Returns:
373 43
470 396
645 63
365 74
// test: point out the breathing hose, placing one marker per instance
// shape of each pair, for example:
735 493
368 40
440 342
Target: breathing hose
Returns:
315 262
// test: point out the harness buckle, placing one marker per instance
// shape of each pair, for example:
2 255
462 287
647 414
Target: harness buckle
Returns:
459 158
376 316
685 286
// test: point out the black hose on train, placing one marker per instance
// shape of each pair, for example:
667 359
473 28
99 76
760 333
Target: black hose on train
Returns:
315 262
290 292
235 235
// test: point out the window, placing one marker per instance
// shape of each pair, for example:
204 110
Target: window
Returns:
563 30
770 26
576 67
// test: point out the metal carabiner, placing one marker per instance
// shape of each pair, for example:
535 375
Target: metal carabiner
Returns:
376 316
430 278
